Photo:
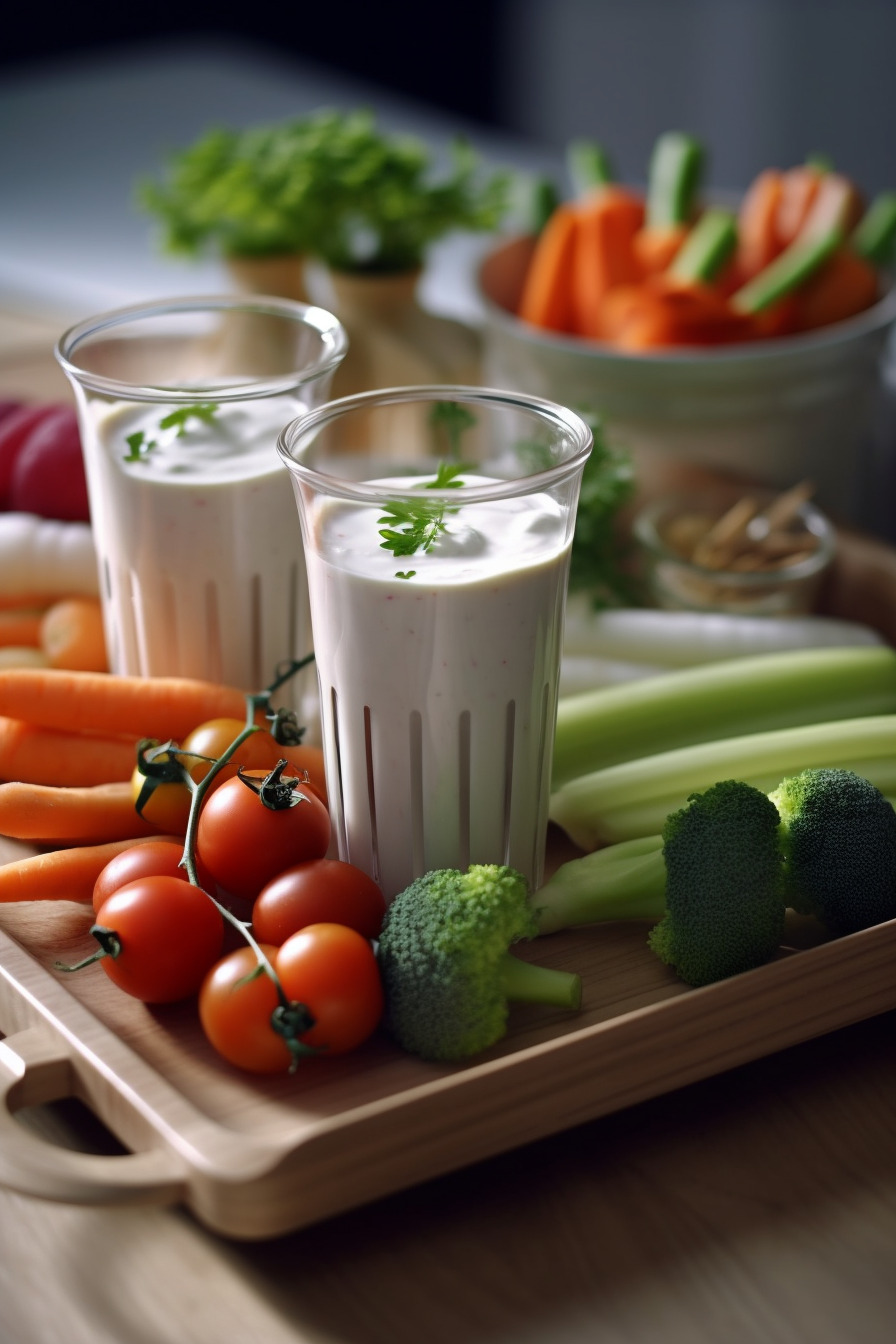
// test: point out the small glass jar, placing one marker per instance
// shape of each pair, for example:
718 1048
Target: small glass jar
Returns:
786 583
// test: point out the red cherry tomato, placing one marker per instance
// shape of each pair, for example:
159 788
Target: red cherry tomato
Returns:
15 428
48 475
327 968
235 1008
332 970
258 752
155 858
244 843
322 890
169 933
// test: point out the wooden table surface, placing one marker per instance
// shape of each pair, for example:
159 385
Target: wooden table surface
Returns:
758 1206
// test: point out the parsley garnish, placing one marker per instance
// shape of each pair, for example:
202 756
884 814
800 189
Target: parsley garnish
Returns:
139 445
412 525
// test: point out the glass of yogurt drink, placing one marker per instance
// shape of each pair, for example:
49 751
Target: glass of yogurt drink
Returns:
437 558
180 404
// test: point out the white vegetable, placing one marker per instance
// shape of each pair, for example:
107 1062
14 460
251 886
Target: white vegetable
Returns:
44 556
666 639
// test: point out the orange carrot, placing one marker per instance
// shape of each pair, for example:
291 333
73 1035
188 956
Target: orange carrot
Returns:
33 754
674 313
758 240
63 874
547 297
160 707
845 285
603 253
20 627
656 248
50 814
36 601
799 189
71 635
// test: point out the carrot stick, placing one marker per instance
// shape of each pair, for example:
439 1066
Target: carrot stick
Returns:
63 874
20 628
603 253
48 813
799 189
845 285
758 241
160 707
33 754
547 297
656 248
72 635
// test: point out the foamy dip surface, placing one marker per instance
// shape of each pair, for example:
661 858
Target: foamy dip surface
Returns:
438 692
199 542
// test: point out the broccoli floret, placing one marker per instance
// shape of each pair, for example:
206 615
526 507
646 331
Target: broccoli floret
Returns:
838 834
447 973
713 880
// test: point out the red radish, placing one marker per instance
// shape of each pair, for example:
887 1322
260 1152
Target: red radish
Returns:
15 429
48 475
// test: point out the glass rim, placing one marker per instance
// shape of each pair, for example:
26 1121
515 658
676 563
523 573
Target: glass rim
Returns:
334 345
548 412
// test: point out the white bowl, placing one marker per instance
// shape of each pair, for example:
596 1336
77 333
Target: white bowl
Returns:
774 411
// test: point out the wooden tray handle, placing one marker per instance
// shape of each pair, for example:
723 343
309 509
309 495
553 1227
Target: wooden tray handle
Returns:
34 1069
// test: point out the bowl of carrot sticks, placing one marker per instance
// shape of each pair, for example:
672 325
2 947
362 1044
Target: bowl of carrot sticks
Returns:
745 334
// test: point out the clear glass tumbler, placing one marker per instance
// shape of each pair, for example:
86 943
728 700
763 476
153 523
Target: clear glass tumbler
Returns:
437 524
180 404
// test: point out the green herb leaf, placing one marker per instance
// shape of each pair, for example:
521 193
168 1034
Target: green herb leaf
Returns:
453 418
139 446
598 562
412 525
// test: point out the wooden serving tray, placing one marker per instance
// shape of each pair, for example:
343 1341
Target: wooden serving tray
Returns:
253 1158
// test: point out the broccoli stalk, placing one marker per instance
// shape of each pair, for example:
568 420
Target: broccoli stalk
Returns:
447 972
714 881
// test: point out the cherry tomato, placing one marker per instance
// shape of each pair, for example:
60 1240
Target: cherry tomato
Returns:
235 1008
168 806
212 738
48 475
332 970
244 843
155 858
169 932
327 890
327 968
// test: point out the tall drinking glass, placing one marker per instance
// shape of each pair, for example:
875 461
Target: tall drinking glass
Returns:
180 404
438 558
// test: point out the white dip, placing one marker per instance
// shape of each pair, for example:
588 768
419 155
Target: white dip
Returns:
199 545
438 692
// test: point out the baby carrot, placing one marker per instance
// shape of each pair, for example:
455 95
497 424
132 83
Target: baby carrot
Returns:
34 754
845 285
48 813
20 627
603 254
160 707
547 297
63 874
758 239
71 635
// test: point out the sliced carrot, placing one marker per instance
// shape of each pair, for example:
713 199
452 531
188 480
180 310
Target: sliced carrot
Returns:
20 627
48 813
160 707
757 224
63 874
845 285
656 248
37 755
547 297
668 313
799 189
71 635
603 253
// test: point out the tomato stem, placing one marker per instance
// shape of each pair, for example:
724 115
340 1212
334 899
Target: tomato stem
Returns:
109 946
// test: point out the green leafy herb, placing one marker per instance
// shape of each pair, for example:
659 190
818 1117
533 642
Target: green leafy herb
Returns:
597 565
412 525
330 185
453 419
139 445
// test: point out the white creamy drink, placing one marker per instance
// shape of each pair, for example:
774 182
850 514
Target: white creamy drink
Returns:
199 548
438 691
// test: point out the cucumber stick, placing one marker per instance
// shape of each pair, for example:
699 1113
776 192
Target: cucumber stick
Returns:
633 799
588 166
754 693
707 247
874 237
673 178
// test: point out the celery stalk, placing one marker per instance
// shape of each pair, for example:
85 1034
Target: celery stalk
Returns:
750 694
633 798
